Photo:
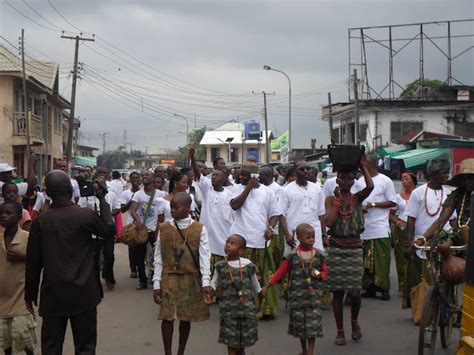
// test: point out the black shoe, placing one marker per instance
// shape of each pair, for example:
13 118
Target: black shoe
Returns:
142 287
133 275
368 294
385 296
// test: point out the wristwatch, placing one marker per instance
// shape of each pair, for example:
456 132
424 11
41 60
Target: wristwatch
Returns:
372 204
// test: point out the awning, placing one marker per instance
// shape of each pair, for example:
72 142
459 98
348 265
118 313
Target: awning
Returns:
417 157
397 148
91 161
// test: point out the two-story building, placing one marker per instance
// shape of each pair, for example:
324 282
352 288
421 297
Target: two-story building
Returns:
385 122
44 112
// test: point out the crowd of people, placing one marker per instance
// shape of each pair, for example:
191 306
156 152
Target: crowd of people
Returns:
234 235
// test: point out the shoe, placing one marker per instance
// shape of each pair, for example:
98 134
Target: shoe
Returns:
385 296
356 332
368 294
340 339
142 287
133 275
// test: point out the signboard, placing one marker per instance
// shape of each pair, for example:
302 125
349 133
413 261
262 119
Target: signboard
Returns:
168 161
252 131
284 154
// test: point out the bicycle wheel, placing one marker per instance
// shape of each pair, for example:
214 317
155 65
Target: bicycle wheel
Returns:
446 315
429 323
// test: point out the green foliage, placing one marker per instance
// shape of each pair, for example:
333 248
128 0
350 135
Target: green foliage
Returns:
411 90
194 138
117 159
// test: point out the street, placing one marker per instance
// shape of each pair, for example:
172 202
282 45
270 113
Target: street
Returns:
127 324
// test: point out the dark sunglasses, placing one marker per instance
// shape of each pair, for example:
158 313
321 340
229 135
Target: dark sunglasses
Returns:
303 168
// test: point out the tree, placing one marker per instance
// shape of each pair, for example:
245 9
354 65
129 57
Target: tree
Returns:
194 138
412 90
117 159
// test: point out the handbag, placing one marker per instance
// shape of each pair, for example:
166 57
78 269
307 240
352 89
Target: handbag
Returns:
131 235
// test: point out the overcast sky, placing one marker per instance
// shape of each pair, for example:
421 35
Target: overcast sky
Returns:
153 59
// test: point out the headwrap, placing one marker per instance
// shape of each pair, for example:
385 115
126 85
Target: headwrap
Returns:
436 165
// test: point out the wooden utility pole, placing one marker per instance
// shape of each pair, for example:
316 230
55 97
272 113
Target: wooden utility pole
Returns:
330 119
73 95
356 109
265 116
26 111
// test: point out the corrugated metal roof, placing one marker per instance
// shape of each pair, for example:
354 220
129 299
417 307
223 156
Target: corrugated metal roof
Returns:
418 157
43 71
397 148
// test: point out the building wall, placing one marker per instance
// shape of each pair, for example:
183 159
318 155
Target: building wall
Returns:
6 120
223 152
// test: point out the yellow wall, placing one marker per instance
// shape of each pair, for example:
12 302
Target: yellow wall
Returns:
6 119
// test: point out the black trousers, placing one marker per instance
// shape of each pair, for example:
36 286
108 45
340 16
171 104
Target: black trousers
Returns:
84 333
132 258
107 247
140 250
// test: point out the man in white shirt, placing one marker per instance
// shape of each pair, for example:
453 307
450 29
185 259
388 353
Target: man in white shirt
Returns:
423 209
256 217
105 245
147 201
116 185
76 193
377 247
24 188
216 213
278 240
303 202
125 204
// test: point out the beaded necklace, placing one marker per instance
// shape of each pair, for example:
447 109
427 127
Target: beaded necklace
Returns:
240 293
461 212
307 273
178 252
440 203
346 214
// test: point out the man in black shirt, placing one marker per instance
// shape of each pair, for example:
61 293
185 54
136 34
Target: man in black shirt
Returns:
61 245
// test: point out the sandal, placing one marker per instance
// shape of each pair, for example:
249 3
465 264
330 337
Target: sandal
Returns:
356 332
340 339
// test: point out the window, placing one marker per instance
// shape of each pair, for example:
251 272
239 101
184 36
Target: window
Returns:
363 132
399 129
57 119
464 129
215 153
253 152
234 154
335 135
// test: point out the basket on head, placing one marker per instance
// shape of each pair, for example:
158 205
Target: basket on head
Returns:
345 156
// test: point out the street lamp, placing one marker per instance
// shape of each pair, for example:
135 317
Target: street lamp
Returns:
228 140
187 128
267 67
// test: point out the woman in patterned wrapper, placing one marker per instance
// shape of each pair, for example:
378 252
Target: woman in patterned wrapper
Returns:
345 219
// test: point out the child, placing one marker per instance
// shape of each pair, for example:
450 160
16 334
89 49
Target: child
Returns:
10 194
17 324
182 272
237 279
307 269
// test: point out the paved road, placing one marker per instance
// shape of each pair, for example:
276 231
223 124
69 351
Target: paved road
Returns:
128 325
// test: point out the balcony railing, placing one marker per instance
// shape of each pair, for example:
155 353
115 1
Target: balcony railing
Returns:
19 125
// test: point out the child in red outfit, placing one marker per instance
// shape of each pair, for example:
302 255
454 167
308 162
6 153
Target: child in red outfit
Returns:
307 269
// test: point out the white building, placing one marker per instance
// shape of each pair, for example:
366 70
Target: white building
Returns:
227 142
384 122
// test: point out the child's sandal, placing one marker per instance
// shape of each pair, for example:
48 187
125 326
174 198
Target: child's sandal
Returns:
356 331
340 339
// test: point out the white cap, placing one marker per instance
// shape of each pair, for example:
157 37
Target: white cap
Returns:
4 167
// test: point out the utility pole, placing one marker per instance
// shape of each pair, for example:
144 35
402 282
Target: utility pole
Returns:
330 119
73 95
26 111
267 145
356 110
103 141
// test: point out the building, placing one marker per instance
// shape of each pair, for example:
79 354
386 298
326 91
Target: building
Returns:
385 122
44 112
153 159
227 142
84 155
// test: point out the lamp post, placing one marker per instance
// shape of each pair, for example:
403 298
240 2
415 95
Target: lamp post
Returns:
228 141
267 67
187 128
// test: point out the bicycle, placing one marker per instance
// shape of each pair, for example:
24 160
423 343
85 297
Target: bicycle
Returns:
440 306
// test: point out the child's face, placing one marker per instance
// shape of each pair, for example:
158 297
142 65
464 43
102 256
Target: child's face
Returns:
306 238
179 210
8 217
233 246
11 193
